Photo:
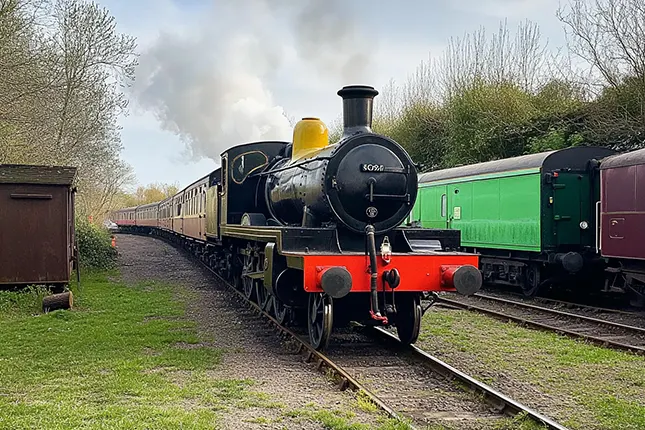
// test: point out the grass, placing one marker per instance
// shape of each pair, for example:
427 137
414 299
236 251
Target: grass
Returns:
19 302
126 357
109 363
339 419
584 386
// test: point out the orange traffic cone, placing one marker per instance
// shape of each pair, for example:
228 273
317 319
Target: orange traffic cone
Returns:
113 242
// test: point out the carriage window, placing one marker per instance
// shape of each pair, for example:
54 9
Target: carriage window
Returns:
443 205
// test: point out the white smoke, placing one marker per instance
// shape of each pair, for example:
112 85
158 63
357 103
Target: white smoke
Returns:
210 87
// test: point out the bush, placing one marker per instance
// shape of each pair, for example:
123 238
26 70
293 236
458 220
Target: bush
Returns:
94 246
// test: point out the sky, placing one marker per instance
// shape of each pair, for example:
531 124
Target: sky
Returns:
216 73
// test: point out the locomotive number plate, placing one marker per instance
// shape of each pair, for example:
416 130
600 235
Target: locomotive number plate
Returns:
366 167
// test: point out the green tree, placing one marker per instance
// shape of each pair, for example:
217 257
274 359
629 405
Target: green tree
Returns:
482 123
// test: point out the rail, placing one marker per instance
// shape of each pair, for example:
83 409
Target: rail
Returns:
607 340
503 404
346 380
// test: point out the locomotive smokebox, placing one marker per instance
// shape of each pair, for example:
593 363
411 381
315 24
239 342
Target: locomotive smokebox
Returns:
358 102
363 179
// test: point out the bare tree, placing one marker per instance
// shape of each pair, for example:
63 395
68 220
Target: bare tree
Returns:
62 69
501 59
98 193
609 35
94 59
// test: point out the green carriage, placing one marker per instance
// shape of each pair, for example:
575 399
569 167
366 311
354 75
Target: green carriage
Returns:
532 218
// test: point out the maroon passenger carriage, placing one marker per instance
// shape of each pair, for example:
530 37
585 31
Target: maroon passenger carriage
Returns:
622 225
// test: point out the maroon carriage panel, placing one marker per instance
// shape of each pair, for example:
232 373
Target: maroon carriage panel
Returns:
146 215
124 216
623 206
36 224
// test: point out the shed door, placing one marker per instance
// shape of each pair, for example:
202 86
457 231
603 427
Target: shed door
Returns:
33 234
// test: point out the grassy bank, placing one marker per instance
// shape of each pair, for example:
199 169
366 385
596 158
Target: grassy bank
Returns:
125 358
581 385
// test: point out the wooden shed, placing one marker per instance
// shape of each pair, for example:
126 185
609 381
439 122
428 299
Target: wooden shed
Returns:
36 225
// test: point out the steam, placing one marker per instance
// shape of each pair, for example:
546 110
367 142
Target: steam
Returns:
211 87
326 35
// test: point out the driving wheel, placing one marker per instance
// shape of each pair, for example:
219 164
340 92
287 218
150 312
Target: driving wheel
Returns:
320 320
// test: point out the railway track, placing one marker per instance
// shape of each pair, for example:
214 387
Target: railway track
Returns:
397 377
586 309
604 332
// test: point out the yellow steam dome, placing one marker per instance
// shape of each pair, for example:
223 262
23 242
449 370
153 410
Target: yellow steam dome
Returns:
309 135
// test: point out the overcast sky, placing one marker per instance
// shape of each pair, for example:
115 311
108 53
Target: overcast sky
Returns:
215 73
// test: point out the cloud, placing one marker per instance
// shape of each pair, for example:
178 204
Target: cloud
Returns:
507 8
211 85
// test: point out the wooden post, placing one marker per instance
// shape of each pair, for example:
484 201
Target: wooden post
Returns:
58 301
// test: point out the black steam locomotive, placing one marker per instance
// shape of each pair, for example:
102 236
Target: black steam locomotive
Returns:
313 226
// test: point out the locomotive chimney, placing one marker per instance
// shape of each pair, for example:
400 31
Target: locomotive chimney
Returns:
357 109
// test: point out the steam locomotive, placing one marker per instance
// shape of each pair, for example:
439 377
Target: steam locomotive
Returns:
315 228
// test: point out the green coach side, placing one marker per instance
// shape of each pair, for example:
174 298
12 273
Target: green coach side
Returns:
531 218
497 210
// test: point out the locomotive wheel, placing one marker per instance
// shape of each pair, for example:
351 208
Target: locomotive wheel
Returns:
247 283
279 310
408 317
532 281
320 320
263 297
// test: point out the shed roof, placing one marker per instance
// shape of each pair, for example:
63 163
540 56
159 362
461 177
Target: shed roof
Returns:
574 158
632 158
36 174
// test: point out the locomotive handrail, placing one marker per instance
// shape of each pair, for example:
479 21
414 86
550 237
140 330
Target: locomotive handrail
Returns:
293 166
389 196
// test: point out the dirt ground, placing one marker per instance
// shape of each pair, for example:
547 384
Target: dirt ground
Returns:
294 394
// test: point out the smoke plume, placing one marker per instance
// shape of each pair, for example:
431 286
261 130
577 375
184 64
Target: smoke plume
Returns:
211 86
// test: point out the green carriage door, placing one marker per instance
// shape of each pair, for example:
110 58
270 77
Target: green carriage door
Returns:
458 205
570 198
432 207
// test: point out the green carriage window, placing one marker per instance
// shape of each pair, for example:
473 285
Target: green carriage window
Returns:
443 205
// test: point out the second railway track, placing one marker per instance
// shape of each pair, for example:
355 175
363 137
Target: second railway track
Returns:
600 331
407 383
